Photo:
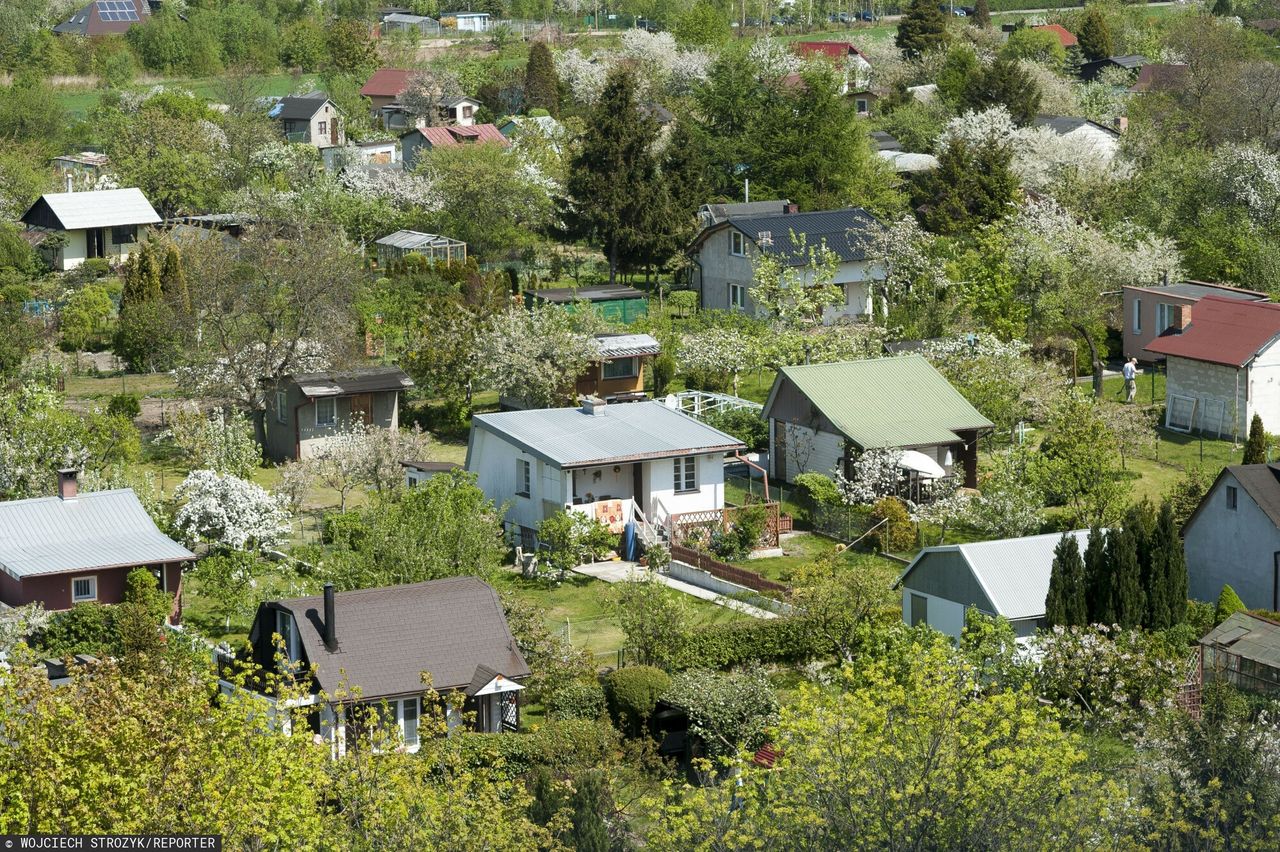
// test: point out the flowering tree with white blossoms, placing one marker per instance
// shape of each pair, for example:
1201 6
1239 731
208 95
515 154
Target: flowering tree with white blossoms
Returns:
796 296
877 472
1010 503
228 512
19 622
533 355
361 454
717 352
221 442
582 74
913 273
1248 176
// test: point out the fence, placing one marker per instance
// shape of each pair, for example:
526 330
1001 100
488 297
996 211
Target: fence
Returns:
686 526
725 571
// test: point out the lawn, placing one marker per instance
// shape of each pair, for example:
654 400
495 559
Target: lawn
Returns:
80 100
807 548
577 609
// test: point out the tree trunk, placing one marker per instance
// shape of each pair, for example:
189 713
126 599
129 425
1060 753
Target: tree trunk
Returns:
259 417
1094 361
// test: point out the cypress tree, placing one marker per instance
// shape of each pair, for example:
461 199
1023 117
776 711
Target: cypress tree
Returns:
541 83
148 275
1255 448
589 833
922 29
1228 602
1065 604
1126 579
1173 566
982 14
173 281
131 293
1140 520
1095 35
1097 579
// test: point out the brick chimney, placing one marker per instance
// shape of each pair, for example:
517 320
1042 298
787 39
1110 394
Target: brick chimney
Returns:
68 483
1181 317
791 207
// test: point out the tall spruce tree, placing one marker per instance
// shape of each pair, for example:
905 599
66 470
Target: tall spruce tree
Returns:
614 196
1066 603
1097 579
972 186
1255 448
173 281
1095 35
541 83
1175 566
1126 578
1005 82
922 29
589 832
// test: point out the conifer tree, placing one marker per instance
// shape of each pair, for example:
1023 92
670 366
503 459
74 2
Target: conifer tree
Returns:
1140 521
589 832
1228 602
1097 579
1065 604
541 83
1005 82
1095 35
148 274
1173 570
982 14
1255 448
1222 8
922 29
1126 578
173 281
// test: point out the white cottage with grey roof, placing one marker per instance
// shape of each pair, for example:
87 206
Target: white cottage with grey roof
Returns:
107 223
1008 577
605 461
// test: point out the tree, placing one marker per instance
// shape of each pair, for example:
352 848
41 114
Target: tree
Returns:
922 29
703 24
971 187
981 14
221 442
589 832
1222 8
173 280
1095 34
425 92
1169 573
229 582
1255 448
84 315
613 195
358 454
1098 582
728 712
653 619
350 47
1078 463
1228 603
570 538
541 85
1126 578
1066 603
842 602
1037 45
228 512
1004 82
533 355
796 295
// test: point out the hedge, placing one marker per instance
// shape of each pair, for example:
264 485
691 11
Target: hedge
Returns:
576 701
632 693
774 640
559 744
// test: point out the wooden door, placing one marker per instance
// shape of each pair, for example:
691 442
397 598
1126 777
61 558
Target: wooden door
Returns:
362 408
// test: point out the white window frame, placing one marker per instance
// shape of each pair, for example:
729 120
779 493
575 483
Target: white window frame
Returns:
684 470
395 712
332 419
737 296
1137 316
287 628
282 406
524 478
1164 317
737 244
632 365
92 580
862 106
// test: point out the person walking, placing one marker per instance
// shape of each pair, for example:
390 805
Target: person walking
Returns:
1130 373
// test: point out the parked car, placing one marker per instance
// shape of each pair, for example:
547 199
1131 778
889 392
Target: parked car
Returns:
867 16
752 22
958 11
647 25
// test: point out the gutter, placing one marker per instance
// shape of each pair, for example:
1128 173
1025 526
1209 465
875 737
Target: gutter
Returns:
737 454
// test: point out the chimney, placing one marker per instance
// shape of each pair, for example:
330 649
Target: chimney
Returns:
791 207
68 485
593 405
1182 317
330 618
71 183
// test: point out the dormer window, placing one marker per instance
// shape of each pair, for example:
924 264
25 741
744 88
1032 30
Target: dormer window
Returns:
736 245
288 633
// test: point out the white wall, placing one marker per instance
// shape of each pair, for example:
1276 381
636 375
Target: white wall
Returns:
1212 385
943 615
494 463
659 483
1232 547
1264 389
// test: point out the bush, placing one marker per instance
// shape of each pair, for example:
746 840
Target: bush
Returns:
125 405
632 693
561 745
817 490
344 528
742 537
86 628
1228 602
683 301
664 371
774 640
897 534
576 701
744 424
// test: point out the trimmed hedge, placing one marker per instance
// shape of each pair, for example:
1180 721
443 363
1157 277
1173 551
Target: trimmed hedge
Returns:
576 701
632 692
774 640
559 744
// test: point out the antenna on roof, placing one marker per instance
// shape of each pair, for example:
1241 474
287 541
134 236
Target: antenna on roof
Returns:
764 238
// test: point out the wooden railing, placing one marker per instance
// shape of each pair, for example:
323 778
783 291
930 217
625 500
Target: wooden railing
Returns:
725 571
685 525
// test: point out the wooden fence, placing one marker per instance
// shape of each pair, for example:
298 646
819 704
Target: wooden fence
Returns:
725 571
686 525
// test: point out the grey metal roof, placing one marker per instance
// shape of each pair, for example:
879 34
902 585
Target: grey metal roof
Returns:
625 345
1014 572
885 141
299 108
601 293
353 381
411 240
1200 289
846 232
634 431
99 529
714 213
388 637
1249 636
909 162
103 208
401 18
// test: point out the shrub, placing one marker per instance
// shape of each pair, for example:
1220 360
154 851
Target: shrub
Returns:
632 692
86 628
684 301
124 404
561 745
775 640
817 490
344 528
897 534
742 537
744 424
576 701
1228 602
664 371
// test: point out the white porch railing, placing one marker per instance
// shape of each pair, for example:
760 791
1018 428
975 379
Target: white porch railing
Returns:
701 403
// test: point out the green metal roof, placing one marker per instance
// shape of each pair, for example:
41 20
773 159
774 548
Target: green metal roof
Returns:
884 402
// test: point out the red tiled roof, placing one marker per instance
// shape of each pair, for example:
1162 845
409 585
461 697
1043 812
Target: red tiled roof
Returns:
1223 331
1065 37
453 135
386 83
832 49
767 756
1162 77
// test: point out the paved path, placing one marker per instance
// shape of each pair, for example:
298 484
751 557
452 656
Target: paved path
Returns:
616 572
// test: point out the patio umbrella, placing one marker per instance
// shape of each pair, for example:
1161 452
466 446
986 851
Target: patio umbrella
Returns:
922 464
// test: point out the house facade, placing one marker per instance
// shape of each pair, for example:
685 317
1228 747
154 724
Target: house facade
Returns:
605 461
1097 139
1233 537
380 643
821 416
105 18
851 61
1152 311
310 120
618 375
418 141
1007 578
79 547
105 223
724 254
305 411
1222 366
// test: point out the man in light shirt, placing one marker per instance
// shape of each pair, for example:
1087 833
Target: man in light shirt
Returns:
1130 373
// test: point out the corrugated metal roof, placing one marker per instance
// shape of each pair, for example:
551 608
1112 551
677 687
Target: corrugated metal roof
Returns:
452 134
1065 124
846 232
1250 637
601 293
386 83
416 239
103 208
1014 572
626 345
353 381
1200 289
569 437
884 402
1222 331
100 529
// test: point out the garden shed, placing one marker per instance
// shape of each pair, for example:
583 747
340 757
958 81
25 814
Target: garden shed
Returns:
1243 651
615 303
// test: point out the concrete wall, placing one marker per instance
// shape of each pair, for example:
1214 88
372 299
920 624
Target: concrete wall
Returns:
710 582
1236 548
1213 385
1264 389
